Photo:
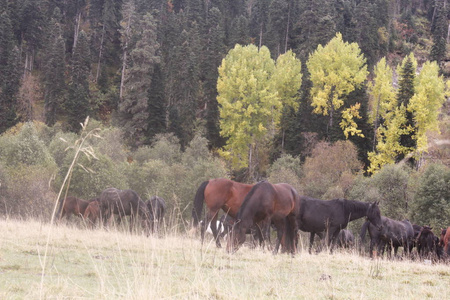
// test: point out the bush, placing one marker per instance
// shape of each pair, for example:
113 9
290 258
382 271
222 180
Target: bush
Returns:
392 185
27 168
91 176
329 171
25 147
286 169
431 204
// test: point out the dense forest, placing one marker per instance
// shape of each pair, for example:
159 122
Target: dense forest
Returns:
157 78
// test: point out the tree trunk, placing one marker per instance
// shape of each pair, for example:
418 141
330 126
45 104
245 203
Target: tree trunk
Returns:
376 125
77 29
100 53
287 28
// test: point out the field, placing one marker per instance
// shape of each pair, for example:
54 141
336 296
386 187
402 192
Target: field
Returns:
100 264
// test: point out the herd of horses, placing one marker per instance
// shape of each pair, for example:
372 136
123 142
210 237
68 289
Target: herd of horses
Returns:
254 209
257 208
114 202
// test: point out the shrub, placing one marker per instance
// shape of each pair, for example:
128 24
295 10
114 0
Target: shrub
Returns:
392 185
329 171
286 169
431 204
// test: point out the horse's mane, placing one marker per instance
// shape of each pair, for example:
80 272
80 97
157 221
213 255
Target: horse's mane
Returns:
246 199
353 205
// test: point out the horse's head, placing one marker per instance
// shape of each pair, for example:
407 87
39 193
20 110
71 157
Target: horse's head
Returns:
374 215
236 238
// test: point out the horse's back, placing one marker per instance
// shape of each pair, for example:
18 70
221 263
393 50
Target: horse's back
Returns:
226 194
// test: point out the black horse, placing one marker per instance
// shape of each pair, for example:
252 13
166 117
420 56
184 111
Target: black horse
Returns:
267 203
345 239
427 243
123 203
331 216
392 234
157 208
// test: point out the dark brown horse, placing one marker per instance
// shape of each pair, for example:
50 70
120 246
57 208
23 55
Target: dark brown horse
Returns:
92 212
345 239
328 217
157 208
426 243
220 193
123 203
73 206
392 234
267 203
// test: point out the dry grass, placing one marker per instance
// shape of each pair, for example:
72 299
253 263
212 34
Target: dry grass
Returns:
99 264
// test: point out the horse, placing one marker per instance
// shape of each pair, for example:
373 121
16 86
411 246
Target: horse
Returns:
92 212
157 208
267 203
123 203
345 239
219 193
392 233
73 206
444 241
426 242
331 216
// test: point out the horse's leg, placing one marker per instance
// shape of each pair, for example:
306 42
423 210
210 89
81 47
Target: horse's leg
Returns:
280 226
311 241
332 239
215 230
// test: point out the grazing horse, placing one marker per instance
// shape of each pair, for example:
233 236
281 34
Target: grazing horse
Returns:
426 242
393 233
157 208
219 193
345 239
73 206
331 216
444 240
267 203
123 203
92 212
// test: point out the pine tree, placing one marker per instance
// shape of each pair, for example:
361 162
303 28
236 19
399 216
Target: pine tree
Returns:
156 105
77 104
9 74
214 52
439 32
54 70
407 72
133 107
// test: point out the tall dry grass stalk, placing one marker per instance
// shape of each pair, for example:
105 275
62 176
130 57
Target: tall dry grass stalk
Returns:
79 147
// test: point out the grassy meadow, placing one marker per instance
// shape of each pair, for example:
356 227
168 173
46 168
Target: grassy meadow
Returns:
114 264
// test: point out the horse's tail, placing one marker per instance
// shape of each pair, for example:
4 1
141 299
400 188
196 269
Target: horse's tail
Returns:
291 239
198 203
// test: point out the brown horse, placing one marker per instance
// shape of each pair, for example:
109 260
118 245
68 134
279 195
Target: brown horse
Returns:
266 203
92 212
444 240
73 206
220 193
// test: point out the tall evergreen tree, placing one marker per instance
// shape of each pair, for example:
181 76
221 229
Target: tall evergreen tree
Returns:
183 86
407 72
133 107
77 104
156 105
439 32
9 74
214 53
54 70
